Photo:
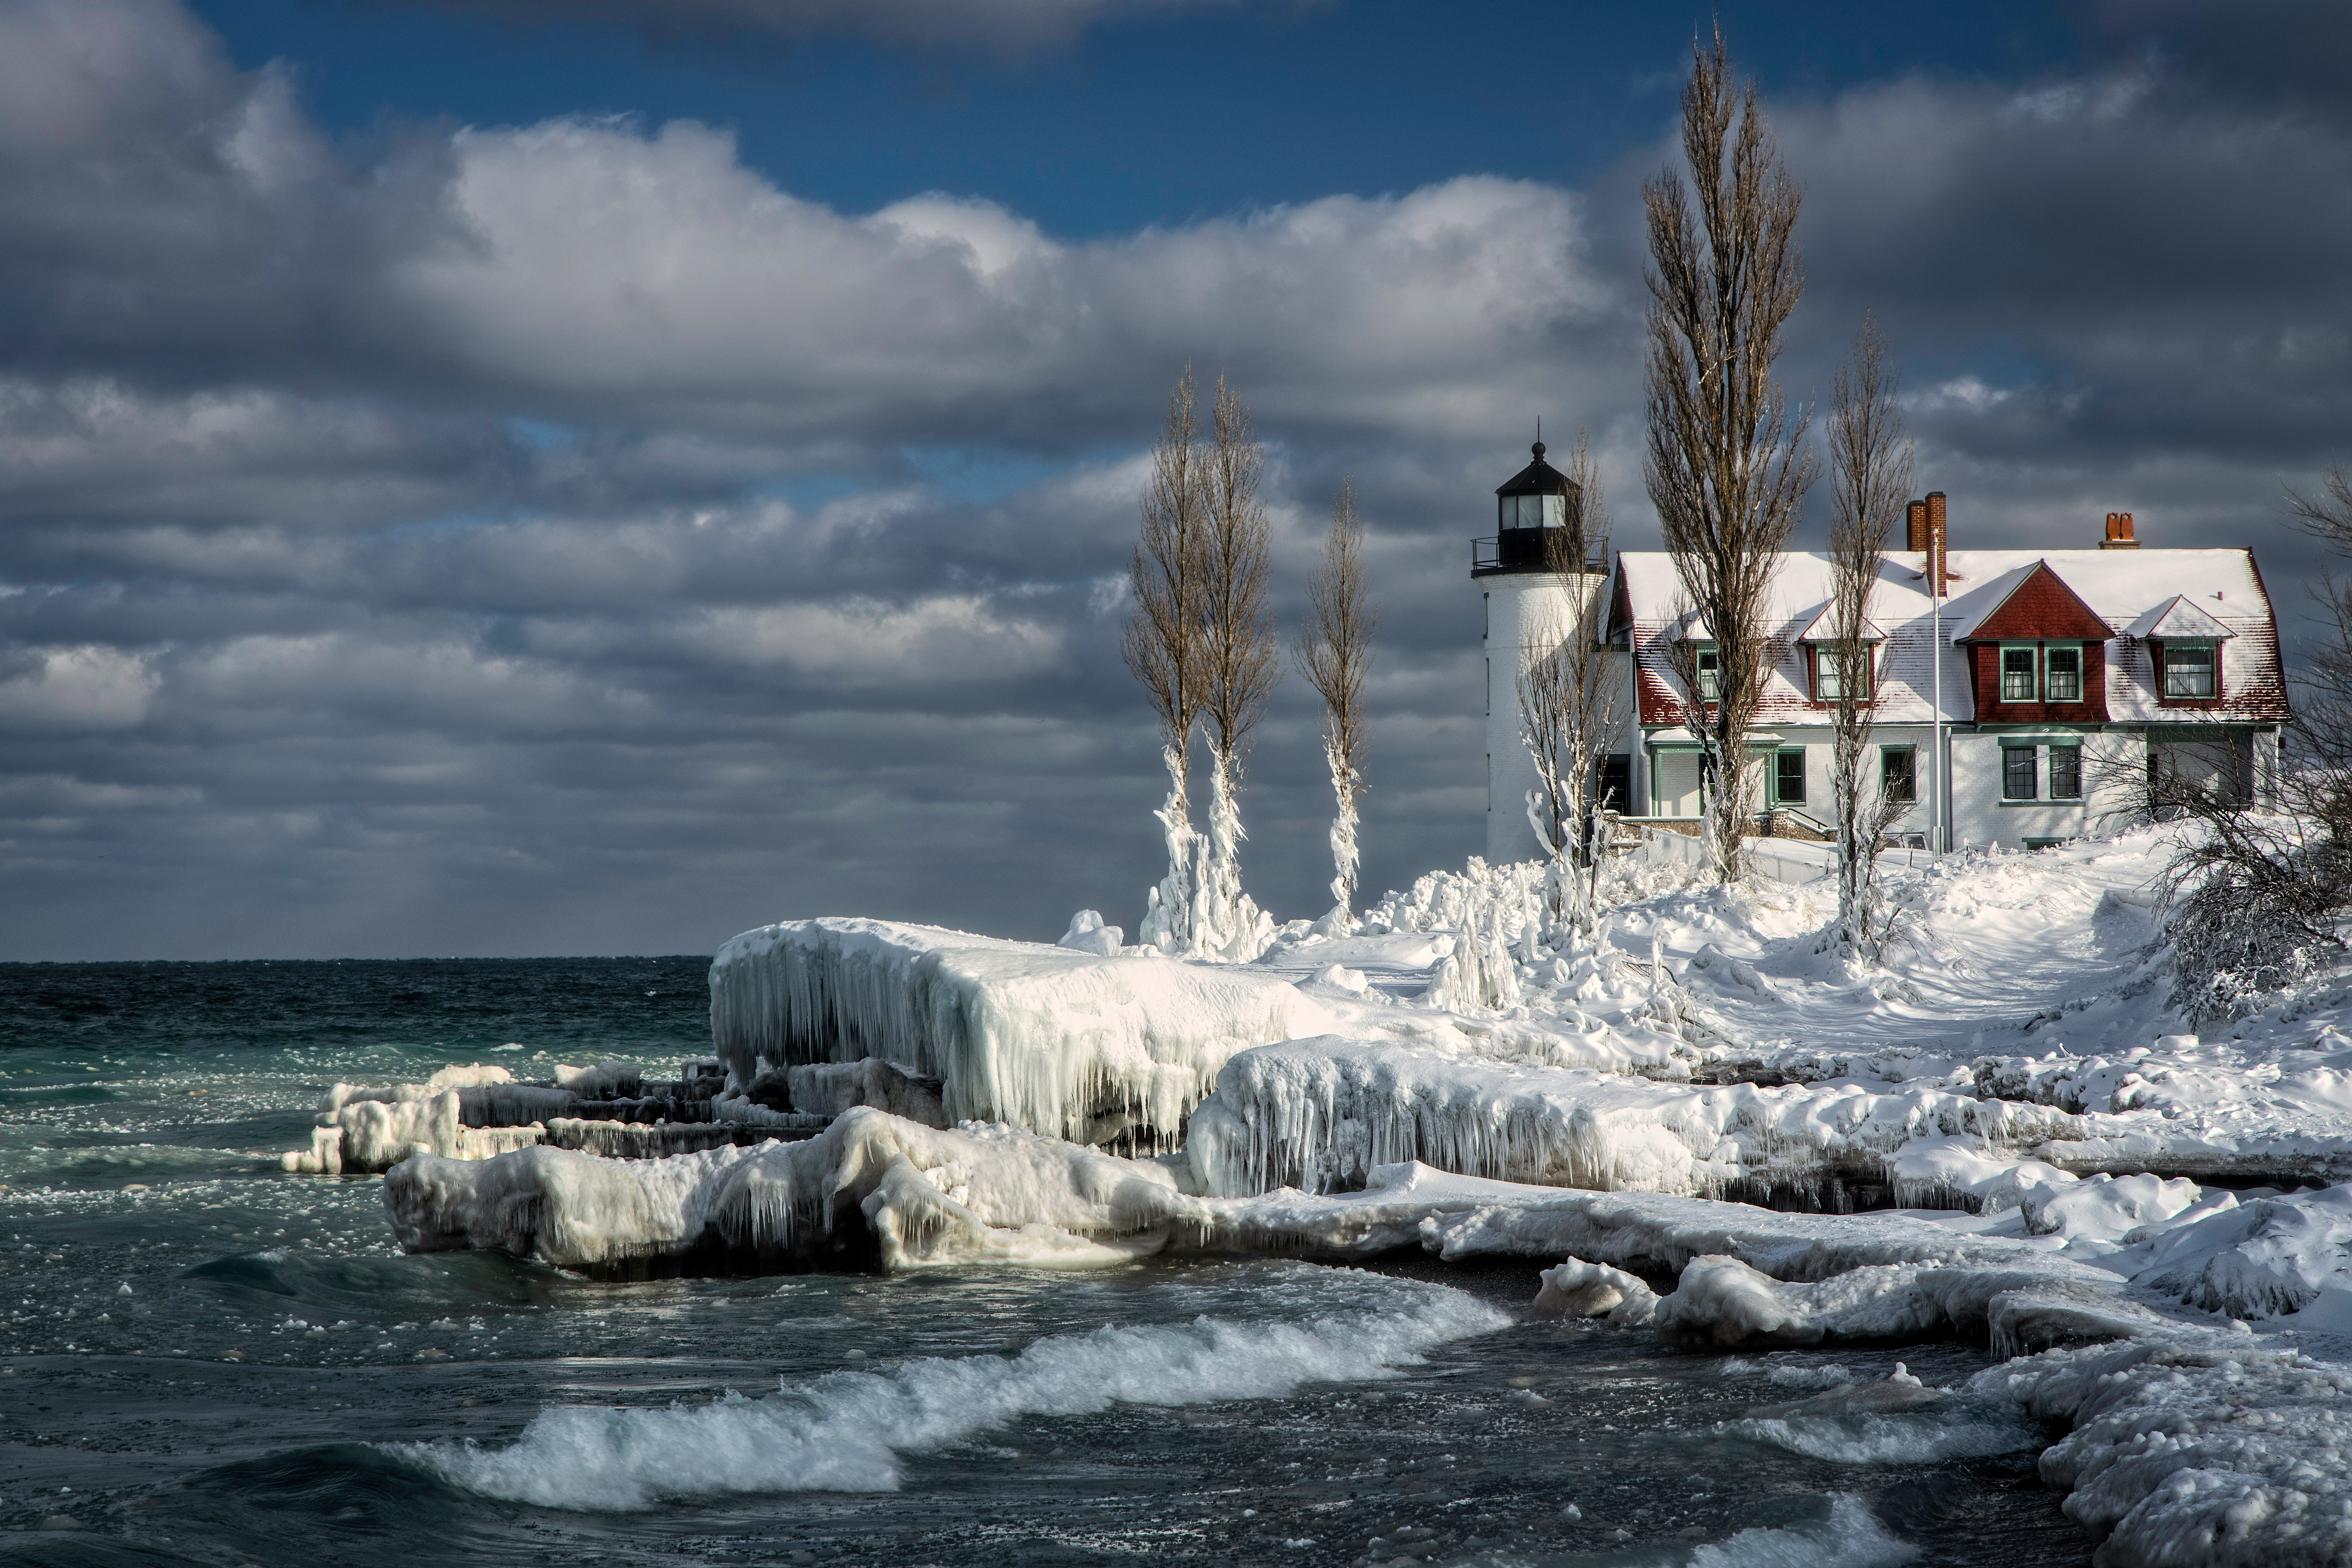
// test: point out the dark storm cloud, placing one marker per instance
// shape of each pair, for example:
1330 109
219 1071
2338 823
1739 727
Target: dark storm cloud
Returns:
561 538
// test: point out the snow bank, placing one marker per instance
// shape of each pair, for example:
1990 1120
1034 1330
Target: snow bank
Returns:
1070 1044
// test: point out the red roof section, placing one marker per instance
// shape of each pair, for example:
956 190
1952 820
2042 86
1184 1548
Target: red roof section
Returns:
2041 605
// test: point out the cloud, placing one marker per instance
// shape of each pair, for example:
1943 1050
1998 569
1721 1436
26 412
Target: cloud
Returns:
563 536
75 688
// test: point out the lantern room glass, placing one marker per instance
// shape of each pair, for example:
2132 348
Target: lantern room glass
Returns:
1531 511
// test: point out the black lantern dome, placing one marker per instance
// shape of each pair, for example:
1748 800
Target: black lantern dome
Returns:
1527 506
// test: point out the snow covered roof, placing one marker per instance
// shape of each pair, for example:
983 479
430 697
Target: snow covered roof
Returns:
2114 590
2119 585
1819 630
2178 617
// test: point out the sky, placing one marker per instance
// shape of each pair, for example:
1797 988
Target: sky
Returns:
531 477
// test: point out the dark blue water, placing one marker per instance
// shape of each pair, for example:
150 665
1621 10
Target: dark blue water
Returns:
203 1360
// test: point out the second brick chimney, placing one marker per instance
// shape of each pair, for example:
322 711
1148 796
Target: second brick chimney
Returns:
1938 544
2119 532
1915 526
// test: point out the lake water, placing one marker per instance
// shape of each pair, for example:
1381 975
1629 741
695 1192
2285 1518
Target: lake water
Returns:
203 1360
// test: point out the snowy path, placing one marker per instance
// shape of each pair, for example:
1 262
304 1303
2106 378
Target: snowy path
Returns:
1993 944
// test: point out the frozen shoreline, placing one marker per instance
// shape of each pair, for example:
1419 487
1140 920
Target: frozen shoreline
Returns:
1457 1080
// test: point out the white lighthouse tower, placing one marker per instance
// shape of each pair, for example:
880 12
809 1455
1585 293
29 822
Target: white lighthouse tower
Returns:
1529 572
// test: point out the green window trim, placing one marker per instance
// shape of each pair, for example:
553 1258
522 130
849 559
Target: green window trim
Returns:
2019 775
2190 669
2019 672
2062 672
1789 776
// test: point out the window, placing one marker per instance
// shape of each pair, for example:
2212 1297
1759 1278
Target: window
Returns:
2017 773
2065 772
1789 777
1612 782
1828 685
1898 777
2189 668
2062 675
1710 674
2016 674
1531 511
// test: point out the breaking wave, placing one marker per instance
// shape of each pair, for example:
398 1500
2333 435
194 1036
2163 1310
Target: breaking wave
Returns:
1886 1439
1850 1537
845 1431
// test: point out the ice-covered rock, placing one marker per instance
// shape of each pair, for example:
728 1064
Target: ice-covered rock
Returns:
1070 1044
1723 1303
1575 1289
2195 1448
366 1135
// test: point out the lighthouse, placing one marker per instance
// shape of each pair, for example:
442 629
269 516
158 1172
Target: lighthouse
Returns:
1538 576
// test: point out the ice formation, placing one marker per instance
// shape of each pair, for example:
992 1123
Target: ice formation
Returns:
1070 1044
869 1185
477 1112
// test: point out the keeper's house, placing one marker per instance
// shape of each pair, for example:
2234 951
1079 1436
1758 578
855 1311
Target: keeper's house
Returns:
2052 677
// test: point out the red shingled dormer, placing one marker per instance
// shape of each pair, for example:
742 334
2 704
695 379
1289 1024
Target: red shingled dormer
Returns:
2039 656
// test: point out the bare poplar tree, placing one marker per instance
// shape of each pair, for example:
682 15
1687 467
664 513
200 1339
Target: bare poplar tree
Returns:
1727 468
1333 651
1571 704
1242 664
1163 647
1870 464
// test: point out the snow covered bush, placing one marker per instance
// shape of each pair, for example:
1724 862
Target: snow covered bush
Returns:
2246 928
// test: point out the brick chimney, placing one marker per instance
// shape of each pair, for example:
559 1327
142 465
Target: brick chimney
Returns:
1914 524
2119 532
1938 545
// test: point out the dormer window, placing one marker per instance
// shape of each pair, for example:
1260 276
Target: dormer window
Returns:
2062 675
1829 686
2017 672
1710 673
2190 668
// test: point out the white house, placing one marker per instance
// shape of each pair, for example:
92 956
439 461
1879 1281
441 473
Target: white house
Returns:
2005 705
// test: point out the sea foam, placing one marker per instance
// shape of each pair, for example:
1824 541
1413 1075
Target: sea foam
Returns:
1850 1537
846 1431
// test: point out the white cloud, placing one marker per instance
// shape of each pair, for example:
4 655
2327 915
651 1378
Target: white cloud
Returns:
75 689
940 641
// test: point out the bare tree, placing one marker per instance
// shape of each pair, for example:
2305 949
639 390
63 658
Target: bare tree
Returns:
1243 663
2326 726
1164 648
1870 463
1571 703
1333 651
1727 468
